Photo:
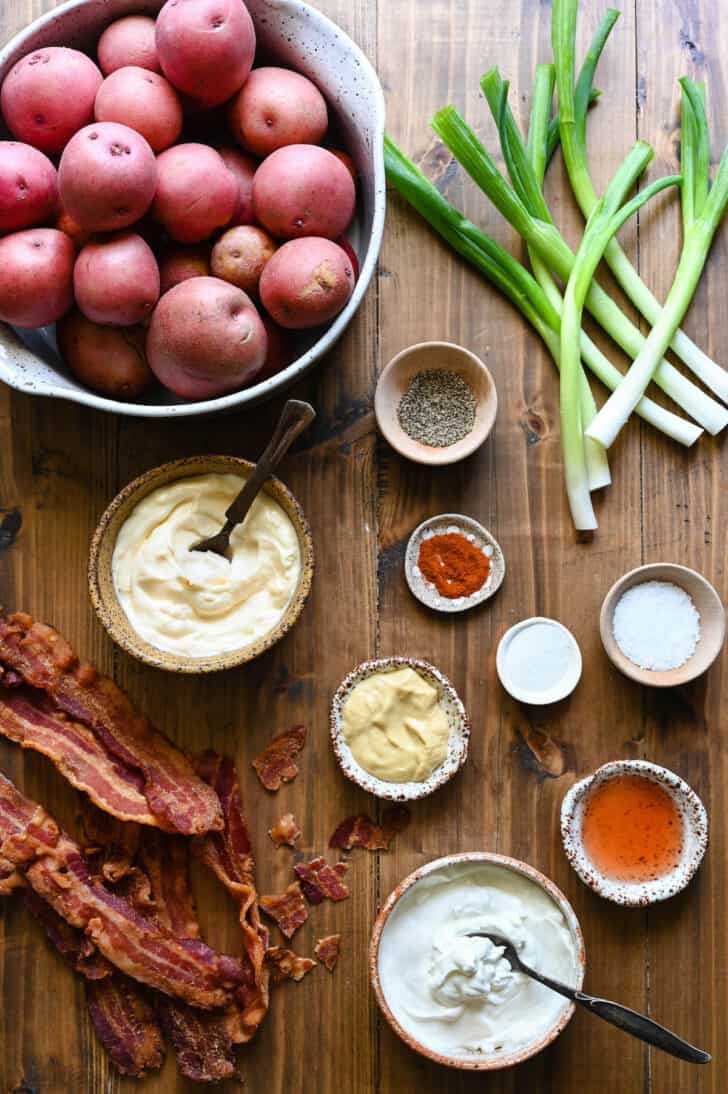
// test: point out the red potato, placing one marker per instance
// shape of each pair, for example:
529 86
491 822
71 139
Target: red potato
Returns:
345 158
243 169
276 107
280 350
28 187
303 190
116 280
111 360
306 283
145 102
128 41
206 47
107 177
48 96
240 255
36 277
196 194
205 339
350 254
180 263
78 236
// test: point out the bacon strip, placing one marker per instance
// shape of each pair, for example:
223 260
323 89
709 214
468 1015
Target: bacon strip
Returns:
77 753
320 881
287 965
119 843
73 946
44 659
285 831
287 909
275 763
362 831
327 950
125 1024
10 878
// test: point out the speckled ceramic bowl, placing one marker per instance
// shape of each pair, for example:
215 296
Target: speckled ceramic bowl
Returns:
457 752
425 592
479 1062
101 582
695 828
297 36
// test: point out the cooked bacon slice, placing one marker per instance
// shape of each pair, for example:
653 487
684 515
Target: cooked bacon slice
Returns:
362 831
44 659
275 764
27 718
10 878
124 1021
287 965
320 881
288 909
285 830
328 949
229 855
113 841
26 830
73 945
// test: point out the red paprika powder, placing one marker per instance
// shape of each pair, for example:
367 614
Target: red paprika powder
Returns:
454 565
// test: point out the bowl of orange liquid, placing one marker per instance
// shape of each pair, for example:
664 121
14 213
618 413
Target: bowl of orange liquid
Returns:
634 832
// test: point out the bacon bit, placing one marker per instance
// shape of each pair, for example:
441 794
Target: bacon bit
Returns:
275 763
328 949
10 878
288 910
125 1024
362 831
175 796
285 830
287 965
320 881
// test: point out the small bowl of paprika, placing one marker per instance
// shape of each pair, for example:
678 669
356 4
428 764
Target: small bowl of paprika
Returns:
453 563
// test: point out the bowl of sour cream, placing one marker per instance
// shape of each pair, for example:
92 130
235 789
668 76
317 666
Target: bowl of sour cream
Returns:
455 999
192 611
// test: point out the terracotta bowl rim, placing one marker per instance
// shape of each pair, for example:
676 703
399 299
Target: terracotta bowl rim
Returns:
162 659
519 867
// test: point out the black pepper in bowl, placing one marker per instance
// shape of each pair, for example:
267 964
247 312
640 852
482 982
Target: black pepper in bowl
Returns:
438 408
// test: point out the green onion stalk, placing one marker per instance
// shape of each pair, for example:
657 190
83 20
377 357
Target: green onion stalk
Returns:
573 106
703 207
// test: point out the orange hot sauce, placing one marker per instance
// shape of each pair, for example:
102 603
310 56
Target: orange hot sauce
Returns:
631 829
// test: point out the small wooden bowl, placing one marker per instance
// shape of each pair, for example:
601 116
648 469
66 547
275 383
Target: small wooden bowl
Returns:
395 380
101 582
712 624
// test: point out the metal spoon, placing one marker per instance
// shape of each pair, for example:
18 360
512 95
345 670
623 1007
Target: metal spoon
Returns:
294 418
639 1025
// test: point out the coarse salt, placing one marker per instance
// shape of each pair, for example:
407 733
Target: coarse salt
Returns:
656 625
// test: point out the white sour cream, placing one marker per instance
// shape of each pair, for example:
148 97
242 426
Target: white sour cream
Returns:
194 603
458 996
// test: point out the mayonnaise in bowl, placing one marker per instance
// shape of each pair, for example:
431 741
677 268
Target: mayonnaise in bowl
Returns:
456 998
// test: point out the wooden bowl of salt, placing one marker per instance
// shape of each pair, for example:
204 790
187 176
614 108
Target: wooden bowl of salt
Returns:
662 624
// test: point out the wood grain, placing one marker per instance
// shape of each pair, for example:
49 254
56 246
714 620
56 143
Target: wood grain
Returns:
60 465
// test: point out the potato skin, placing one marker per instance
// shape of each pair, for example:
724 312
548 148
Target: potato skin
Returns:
196 194
206 47
110 360
240 255
116 280
128 41
107 177
180 263
205 339
280 350
242 168
28 187
306 283
48 96
144 101
303 190
36 277
276 107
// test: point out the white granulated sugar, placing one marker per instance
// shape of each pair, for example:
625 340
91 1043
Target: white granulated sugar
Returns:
656 625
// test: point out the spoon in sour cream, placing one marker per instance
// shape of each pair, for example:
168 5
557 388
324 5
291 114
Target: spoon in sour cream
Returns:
639 1025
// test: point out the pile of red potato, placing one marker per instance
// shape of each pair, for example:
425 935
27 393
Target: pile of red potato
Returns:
181 261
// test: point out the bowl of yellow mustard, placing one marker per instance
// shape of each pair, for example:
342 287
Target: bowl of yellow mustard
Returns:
398 728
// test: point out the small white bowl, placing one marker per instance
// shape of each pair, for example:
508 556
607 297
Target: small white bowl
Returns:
695 828
563 687
459 738
425 592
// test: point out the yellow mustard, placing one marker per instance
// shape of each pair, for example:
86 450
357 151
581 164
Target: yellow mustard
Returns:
395 726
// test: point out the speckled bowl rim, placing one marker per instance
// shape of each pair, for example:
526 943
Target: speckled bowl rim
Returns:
457 750
468 524
529 697
630 894
121 631
481 1063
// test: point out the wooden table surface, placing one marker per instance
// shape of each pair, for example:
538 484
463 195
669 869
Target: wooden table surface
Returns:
61 464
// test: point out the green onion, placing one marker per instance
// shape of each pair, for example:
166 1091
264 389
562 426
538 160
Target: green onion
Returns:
573 105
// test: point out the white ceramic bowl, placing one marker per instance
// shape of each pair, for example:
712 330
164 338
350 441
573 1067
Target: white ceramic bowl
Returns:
426 593
298 37
533 696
